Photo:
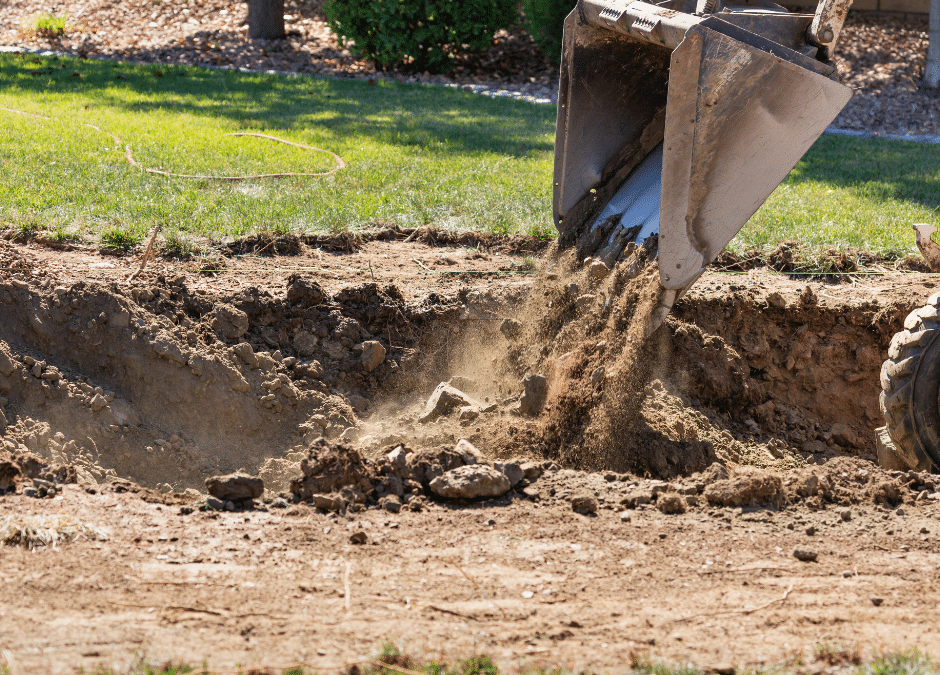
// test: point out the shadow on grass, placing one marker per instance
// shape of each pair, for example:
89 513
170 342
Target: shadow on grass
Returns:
389 112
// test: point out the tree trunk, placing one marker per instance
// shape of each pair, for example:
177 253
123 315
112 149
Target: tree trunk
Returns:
932 68
266 19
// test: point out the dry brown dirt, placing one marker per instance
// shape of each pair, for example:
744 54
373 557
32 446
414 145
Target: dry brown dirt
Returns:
753 437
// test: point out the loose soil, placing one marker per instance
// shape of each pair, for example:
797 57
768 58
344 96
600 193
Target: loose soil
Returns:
748 435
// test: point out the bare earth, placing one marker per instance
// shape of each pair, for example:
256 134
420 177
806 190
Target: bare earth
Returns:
774 379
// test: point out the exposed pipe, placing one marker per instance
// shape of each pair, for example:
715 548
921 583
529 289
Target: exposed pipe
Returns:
932 69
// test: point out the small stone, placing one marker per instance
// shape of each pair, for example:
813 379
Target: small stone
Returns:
775 299
513 471
531 470
585 301
810 531
846 515
584 504
244 351
6 364
876 601
662 535
805 554
444 399
98 402
235 487
535 391
470 482
844 436
625 517
391 503
900 512
373 355
213 504
489 522
327 502
358 538
527 594
847 573
398 457
468 452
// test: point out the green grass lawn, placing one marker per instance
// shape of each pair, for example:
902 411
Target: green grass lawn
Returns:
416 155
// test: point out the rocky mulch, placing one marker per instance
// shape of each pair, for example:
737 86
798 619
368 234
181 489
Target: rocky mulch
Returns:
881 56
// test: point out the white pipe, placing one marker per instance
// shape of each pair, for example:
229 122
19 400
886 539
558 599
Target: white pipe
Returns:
932 69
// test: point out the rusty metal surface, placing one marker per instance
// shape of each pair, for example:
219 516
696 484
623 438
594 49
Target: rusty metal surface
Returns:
827 23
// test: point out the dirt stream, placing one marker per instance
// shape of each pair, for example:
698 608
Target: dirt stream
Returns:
755 402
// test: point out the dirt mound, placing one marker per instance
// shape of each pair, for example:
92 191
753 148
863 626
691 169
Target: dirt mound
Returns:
167 385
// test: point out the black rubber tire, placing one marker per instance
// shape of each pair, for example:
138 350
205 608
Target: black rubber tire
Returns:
910 388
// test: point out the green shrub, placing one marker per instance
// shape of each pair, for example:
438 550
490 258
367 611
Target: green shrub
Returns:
420 35
545 20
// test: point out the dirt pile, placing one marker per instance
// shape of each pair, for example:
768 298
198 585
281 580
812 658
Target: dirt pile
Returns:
167 385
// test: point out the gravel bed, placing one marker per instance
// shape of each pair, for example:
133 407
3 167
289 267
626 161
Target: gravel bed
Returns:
880 56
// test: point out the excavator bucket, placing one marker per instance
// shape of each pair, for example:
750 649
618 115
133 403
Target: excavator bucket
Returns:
677 120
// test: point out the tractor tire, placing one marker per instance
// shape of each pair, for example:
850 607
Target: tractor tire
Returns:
910 389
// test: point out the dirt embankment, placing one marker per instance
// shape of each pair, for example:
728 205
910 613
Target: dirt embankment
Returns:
166 383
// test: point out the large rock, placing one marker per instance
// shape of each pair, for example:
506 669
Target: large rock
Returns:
444 399
534 394
373 355
471 482
235 487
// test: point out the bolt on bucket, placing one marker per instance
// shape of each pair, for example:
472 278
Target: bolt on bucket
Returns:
677 120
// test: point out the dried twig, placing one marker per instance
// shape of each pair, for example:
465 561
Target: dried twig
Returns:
422 264
732 611
477 586
451 612
147 254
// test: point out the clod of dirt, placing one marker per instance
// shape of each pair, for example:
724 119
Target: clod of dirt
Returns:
534 394
475 481
805 554
886 492
671 503
747 486
328 468
584 504
235 487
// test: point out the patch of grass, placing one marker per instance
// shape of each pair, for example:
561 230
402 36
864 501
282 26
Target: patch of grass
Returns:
47 26
912 662
851 193
415 154
120 237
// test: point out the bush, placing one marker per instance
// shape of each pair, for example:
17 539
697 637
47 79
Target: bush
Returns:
421 35
545 21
